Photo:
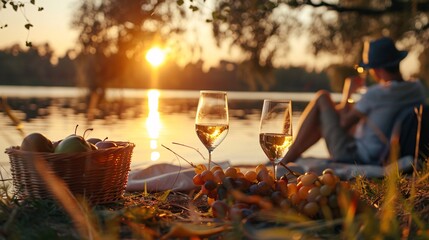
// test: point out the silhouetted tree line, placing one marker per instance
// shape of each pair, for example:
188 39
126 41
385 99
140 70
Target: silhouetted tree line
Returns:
37 66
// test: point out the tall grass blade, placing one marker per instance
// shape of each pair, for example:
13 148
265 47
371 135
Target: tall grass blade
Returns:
62 193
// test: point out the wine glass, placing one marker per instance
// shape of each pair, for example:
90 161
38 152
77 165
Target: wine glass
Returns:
212 120
275 133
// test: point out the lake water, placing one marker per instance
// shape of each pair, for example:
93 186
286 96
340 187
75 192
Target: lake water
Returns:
150 119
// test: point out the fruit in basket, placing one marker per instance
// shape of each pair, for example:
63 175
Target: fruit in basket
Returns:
37 142
73 144
105 144
94 140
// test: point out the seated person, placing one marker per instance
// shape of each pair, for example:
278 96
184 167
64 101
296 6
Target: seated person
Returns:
371 118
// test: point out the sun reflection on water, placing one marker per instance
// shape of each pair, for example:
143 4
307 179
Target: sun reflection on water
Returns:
153 123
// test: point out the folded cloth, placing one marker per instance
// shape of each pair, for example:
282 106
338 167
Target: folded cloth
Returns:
348 171
162 177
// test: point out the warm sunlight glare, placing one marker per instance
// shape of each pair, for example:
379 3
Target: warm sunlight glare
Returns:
153 122
155 56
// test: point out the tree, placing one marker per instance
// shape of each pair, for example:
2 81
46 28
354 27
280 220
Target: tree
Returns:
115 34
261 28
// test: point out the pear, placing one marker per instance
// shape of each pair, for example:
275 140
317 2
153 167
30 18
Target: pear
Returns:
73 144
37 142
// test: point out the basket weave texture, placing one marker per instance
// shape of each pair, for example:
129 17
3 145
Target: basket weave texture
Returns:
100 175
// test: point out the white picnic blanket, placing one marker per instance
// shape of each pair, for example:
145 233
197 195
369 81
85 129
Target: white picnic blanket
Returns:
162 177
350 171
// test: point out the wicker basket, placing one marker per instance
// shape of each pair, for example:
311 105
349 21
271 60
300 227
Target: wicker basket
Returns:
100 175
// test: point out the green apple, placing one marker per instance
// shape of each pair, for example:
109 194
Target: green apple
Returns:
73 144
37 142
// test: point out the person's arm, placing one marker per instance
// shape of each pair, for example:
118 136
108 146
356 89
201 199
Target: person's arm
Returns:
350 118
348 115
351 85
347 92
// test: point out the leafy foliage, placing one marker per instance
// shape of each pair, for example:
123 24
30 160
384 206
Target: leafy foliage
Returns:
17 5
263 29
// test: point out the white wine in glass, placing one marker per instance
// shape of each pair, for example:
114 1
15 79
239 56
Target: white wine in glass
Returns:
275 133
212 119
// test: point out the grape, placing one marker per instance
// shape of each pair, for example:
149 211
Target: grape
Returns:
322 200
262 174
303 191
291 189
215 168
295 199
264 188
311 209
276 197
228 182
326 190
210 185
219 175
197 180
242 184
207 175
200 168
250 176
253 189
284 178
231 172
281 185
219 209
328 171
313 194
221 192
259 168
328 179
212 194
308 179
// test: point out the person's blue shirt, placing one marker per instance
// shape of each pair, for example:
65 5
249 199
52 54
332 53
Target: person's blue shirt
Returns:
380 104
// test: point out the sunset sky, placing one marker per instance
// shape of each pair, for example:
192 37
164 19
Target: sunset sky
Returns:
53 25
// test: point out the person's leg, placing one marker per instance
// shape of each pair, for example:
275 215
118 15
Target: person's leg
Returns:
310 126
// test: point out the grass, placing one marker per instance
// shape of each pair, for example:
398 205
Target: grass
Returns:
392 211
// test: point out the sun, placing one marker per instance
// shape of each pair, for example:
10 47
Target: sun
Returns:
155 56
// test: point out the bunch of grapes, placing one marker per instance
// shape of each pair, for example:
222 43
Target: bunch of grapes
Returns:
234 194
